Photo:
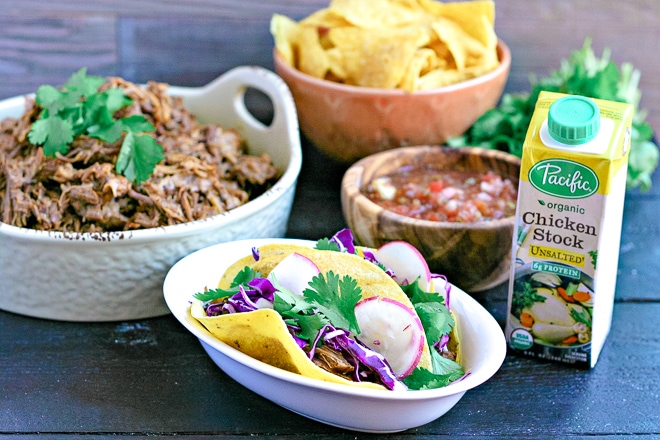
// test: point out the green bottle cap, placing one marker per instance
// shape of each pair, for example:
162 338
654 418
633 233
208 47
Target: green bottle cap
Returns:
574 120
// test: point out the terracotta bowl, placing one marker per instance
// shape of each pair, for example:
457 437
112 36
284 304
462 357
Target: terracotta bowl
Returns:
473 256
349 122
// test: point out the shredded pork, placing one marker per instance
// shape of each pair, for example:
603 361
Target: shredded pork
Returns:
206 171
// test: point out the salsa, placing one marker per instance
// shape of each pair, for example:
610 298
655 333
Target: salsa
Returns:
429 193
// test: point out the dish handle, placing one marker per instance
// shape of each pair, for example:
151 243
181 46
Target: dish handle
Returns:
224 98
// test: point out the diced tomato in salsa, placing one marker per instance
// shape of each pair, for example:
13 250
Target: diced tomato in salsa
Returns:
429 193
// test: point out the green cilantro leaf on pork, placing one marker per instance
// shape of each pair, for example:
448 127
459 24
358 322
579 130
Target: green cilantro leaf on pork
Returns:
79 108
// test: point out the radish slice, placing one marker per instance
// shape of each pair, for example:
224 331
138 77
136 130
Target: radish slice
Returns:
406 262
294 272
393 330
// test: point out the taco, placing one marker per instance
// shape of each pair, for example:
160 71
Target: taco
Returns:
333 313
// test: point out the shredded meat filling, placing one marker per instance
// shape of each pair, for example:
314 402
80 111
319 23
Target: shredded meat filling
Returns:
206 171
332 361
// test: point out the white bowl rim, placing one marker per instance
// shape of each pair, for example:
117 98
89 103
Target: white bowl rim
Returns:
286 181
504 65
175 300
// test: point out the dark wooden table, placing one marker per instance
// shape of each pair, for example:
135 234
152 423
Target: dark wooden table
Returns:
151 377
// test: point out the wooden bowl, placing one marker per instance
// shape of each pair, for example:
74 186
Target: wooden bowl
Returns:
473 256
348 122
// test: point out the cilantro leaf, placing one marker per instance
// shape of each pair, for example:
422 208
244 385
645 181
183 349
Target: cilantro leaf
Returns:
418 295
210 295
287 303
310 325
117 100
436 320
423 379
53 100
79 108
53 133
137 124
83 85
110 132
138 157
336 298
325 244
326 301
432 311
244 276
443 365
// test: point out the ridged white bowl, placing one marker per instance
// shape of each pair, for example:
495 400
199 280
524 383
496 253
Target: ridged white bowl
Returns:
119 275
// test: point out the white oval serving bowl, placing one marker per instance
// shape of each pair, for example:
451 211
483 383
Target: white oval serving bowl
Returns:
353 408
119 275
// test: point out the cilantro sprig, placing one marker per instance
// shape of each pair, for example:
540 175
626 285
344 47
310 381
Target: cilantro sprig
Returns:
79 108
437 322
432 311
328 299
242 278
583 73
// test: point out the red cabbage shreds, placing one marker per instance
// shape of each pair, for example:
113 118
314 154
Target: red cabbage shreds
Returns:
246 300
371 257
255 253
219 308
361 355
344 239
265 288
293 331
442 343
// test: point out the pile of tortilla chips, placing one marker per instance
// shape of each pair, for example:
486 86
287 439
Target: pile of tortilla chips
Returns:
406 44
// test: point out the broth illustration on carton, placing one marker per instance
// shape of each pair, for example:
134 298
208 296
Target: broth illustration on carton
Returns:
568 222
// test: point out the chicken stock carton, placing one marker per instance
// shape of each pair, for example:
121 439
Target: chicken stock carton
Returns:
568 222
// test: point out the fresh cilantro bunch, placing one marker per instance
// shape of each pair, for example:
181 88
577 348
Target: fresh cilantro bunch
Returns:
583 73
78 108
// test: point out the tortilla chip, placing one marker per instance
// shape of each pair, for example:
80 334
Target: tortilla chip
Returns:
312 58
325 18
461 45
376 14
476 18
285 33
424 60
376 57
